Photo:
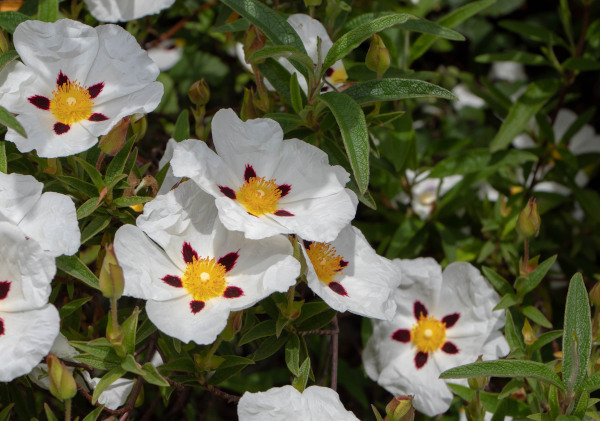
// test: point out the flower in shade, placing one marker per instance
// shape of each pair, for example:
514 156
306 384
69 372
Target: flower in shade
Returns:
192 270
443 320
350 276
28 324
264 185
49 218
288 404
167 53
74 84
125 10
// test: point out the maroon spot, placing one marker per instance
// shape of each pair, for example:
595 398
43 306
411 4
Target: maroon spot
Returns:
227 192
174 281
284 189
98 117
307 244
39 101
421 359
342 264
282 212
233 292
419 310
324 88
249 173
401 335
189 254
4 288
196 306
60 128
95 90
450 348
338 288
1 327
329 72
61 79
451 319
229 260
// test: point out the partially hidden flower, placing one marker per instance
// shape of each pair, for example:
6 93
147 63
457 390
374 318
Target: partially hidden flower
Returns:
170 180
443 320
265 185
466 98
74 84
28 324
350 276
125 10
193 271
167 53
288 404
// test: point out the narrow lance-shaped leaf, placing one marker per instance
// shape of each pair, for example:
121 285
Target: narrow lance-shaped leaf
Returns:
391 89
8 120
48 10
7 57
3 158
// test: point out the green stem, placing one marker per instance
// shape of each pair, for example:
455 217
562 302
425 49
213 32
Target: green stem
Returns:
113 312
68 410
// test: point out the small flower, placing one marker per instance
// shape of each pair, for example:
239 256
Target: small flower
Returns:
443 320
49 218
28 324
288 404
75 83
264 185
166 54
350 276
509 71
201 271
125 10
466 98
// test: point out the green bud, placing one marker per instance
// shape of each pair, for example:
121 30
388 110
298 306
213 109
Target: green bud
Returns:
139 125
112 143
111 275
528 223
254 40
199 92
400 409
248 111
378 56
478 383
595 294
62 383
3 43
234 324
528 333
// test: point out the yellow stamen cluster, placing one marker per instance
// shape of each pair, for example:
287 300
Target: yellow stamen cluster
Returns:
338 76
427 198
259 196
325 260
71 103
429 334
204 279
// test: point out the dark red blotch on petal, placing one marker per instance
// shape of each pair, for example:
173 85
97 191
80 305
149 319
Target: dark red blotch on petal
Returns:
61 128
329 72
282 212
227 192
401 335
306 244
249 173
337 288
229 260
233 292
4 288
98 117
421 359
284 189
343 264
188 253
196 306
39 101
61 79
419 309
1 327
451 319
95 90
450 348
174 281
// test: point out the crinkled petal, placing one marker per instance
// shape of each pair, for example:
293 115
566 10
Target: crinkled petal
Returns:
324 404
125 10
18 195
15 79
309 30
421 280
115 395
276 404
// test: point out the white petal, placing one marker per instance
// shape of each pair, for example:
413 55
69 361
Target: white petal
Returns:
14 80
421 281
166 54
276 404
170 180
507 70
466 98
27 338
309 30
324 404
18 195
115 395
236 218
125 10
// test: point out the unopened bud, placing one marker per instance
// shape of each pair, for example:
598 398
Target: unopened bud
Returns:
528 333
378 56
199 92
248 110
400 409
3 43
139 125
111 275
595 294
478 383
62 383
112 143
234 324
254 40
528 223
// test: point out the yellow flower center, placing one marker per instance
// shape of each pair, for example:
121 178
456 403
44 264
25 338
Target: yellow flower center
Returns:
338 76
427 198
429 334
71 103
326 262
204 279
259 196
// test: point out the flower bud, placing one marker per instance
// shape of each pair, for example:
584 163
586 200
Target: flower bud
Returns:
478 383
254 40
378 56
595 294
62 383
528 333
528 223
248 110
4 47
111 275
199 92
112 143
139 125
400 409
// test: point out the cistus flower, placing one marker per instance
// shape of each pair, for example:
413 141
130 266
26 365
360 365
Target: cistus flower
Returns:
265 185
192 270
125 10
166 54
350 276
443 320
49 218
288 404
28 324
75 83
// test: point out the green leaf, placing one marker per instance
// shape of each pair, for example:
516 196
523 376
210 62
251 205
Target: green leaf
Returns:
131 365
304 373
292 354
296 96
351 120
182 126
528 104
577 337
87 208
523 57
5 414
107 380
425 26
582 64
581 407
505 368
279 78
235 360
99 363
81 186
72 306
536 316
501 284
261 330
451 20
3 157
592 383
271 23
96 225
49 414
129 328
269 347
152 376
125 201
7 119
545 339
352 39
94 174
235 26
10 20
513 335
507 301
395 89
93 416
116 166
48 10
7 57
73 266
537 275
285 51
531 32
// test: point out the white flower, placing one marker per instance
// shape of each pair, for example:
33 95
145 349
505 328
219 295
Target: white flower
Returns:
49 218
442 321
75 83
509 71
286 403
202 271
124 10
264 185
64 351
166 54
466 98
170 180
357 279
426 191
28 324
